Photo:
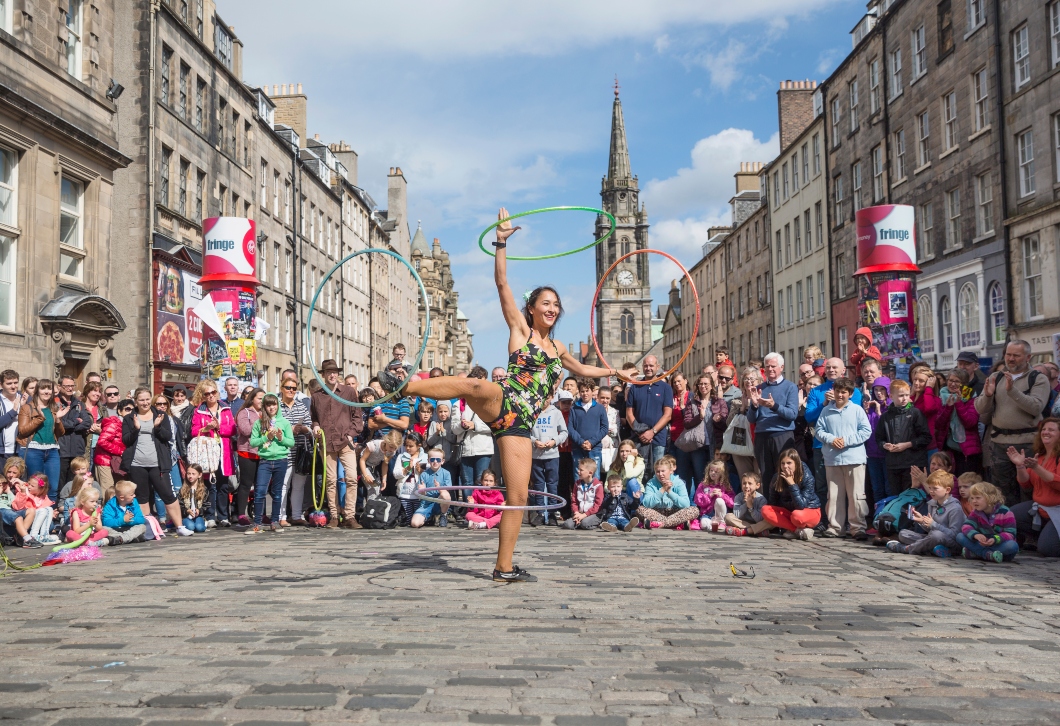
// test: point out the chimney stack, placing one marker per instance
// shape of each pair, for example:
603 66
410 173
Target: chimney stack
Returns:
795 109
747 177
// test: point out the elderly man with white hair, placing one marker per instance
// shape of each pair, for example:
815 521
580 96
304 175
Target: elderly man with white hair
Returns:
774 406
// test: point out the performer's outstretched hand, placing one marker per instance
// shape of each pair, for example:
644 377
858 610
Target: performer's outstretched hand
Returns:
505 229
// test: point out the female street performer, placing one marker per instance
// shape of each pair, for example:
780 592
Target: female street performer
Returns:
513 405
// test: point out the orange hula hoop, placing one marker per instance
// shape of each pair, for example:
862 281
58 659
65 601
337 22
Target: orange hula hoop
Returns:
596 297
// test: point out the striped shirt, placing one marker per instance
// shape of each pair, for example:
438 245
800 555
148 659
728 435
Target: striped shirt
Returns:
297 413
393 410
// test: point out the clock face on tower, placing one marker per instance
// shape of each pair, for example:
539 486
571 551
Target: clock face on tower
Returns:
625 278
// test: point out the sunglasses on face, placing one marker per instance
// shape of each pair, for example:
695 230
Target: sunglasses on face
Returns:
290 388
724 378
211 393
435 461
112 393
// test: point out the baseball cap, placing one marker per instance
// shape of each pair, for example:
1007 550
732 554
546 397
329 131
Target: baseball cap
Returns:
968 357
564 395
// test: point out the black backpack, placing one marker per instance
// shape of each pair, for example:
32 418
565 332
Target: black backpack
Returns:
381 513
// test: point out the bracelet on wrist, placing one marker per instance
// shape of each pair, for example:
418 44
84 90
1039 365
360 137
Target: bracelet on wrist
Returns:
500 245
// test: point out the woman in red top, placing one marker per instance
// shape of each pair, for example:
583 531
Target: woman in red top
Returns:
925 397
1039 474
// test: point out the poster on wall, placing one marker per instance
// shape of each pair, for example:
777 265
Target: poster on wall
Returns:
887 309
234 355
178 330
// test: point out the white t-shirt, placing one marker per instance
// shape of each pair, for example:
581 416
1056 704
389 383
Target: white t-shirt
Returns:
405 475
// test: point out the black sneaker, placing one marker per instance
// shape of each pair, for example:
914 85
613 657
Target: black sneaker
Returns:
389 381
443 520
536 520
861 536
517 574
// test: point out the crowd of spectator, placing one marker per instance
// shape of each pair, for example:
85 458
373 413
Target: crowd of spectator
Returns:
946 463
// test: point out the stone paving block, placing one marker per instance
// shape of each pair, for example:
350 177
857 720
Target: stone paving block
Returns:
21 687
504 719
287 700
388 689
189 700
268 689
90 721
14 713
379 703
186 722
590 721
487 682
821 713
900 713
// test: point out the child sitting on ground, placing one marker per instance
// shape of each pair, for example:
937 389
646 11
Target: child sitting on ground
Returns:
80 474
373 460
34 495
665 502
714 496
407 466
989 532
940 461
192 498
965 482
123 517
434 476
937 531
746 511
586 496
485 518
629 464
20 519
616 512
85 515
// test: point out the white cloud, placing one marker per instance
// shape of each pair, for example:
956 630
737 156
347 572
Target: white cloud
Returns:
471 28
725 65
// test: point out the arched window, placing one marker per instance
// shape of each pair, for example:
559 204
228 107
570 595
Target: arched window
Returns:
968 318
925 320
946 321
625 246
997 314
629 331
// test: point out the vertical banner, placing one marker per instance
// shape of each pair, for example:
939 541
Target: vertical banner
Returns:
178 330
887 269
228 264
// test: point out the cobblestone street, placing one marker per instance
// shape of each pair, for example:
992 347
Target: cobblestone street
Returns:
402 626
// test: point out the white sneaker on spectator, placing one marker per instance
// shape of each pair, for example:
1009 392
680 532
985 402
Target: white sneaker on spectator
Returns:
184 531
806 534
48 539
210 524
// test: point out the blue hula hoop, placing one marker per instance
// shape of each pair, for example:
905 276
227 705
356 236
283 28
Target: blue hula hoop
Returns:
313 306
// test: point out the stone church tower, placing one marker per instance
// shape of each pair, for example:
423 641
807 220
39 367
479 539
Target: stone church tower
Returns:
623 312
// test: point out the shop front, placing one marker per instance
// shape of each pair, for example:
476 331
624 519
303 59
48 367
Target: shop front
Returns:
177 331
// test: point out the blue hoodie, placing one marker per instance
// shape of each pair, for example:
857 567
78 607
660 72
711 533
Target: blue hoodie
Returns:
655 498
114 514
850 423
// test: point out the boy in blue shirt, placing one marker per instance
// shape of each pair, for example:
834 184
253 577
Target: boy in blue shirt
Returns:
433 476
843 428
122 515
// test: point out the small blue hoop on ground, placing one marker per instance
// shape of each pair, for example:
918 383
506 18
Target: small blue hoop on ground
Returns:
560 501
313 306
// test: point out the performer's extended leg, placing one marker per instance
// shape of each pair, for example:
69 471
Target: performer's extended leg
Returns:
484 397
515 453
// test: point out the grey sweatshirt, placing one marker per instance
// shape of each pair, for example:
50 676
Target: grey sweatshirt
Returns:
948 518
549 426
752 513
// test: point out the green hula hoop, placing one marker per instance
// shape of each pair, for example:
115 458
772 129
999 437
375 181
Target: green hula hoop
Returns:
549 209
76 543
313 307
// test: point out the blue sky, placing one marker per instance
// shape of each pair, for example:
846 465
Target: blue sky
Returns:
484 104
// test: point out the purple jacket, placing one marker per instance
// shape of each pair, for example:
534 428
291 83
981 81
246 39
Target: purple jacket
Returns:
872 449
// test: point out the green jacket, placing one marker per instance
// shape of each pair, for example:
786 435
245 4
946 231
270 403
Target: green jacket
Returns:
273 449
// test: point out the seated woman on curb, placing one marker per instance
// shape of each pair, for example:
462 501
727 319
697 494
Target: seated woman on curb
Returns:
665 502
1040 474
798 510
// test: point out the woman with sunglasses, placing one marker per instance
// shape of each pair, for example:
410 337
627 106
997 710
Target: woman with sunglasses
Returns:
177 448
297 414
212 419
39 427
147 436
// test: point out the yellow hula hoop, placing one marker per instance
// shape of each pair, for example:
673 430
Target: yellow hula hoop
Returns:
319 438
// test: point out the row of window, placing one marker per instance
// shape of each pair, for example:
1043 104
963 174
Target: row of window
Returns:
984 218
744 348
781 176
796 312
1021 47
742 302
784 243
234 137
968 333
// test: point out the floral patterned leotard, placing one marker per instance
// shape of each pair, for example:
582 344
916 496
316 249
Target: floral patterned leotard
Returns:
528 389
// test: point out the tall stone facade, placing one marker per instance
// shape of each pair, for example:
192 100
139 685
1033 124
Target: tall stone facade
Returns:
798 197
623 312
59 153
747 271
911 117
449 344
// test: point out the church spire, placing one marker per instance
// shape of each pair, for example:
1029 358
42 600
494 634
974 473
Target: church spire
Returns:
618 162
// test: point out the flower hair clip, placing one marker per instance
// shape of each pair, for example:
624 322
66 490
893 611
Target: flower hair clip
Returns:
526 296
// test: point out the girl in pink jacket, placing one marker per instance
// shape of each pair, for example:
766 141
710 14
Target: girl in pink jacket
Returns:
485 518
714 497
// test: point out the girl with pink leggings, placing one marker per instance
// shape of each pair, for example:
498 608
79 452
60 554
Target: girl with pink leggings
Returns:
794 506
485 518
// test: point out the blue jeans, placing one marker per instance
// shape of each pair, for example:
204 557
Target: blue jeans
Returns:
1008 548
684 463
618 519
198 524
878 477
544 477
595 454
45 461
657 452
471 468
699 460
271 474
341 484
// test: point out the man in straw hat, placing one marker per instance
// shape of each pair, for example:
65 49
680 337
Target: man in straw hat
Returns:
341 425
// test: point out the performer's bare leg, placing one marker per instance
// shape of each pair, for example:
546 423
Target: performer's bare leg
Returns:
484 397
515 453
